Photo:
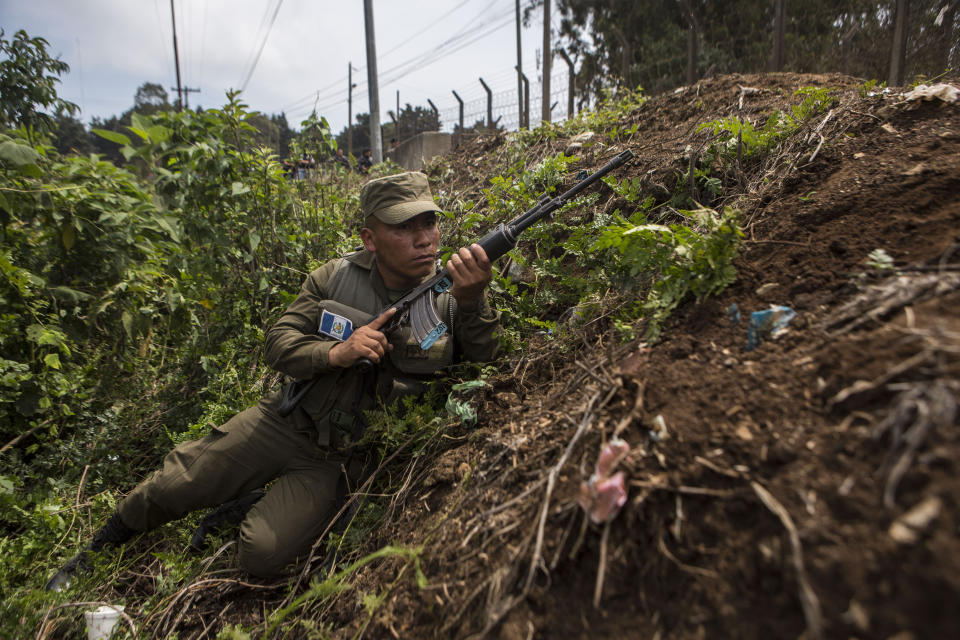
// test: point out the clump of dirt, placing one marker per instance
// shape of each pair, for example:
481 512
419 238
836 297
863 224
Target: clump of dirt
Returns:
808 486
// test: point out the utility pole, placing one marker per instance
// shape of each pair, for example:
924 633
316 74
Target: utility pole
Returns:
519 70
186 96
396 126
376 139
350 87
176 57
547 63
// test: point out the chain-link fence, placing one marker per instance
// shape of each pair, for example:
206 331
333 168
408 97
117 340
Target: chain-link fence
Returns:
505 106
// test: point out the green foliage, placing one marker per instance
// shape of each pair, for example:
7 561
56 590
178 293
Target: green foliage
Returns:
132 308
735 136
672 262
28 79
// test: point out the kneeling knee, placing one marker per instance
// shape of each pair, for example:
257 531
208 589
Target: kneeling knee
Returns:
261 557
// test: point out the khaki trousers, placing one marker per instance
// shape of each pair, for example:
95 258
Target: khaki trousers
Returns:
250 450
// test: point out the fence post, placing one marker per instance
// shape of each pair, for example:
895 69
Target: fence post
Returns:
460 131
436 112
489 104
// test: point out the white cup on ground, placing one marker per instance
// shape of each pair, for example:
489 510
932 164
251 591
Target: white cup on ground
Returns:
100 623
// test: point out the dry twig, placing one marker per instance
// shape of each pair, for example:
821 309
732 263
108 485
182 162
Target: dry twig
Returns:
808 598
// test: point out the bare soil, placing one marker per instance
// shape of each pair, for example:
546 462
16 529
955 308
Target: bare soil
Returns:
857 400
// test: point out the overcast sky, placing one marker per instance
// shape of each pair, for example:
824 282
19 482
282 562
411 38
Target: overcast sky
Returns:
425 49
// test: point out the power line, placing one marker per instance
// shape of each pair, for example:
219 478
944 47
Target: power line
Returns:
263 43
163 37
420 62
468 30
203 40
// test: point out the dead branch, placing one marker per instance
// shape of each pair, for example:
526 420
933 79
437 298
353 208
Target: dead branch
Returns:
808 598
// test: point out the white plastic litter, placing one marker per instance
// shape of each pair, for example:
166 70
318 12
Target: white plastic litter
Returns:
941 91
100 623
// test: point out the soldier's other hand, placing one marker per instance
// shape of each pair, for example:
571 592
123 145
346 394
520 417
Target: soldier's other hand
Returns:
367 342
471 271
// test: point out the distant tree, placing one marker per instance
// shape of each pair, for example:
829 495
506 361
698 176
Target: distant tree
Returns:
651 44
71 136
361 134
414 120
267 134
151 98
284 134
28 79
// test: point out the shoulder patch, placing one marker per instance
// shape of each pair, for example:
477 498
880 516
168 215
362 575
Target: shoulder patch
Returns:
335 326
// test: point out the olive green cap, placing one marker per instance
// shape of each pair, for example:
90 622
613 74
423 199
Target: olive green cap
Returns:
395 199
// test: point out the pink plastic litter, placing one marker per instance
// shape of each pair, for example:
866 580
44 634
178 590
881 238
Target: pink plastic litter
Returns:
603 495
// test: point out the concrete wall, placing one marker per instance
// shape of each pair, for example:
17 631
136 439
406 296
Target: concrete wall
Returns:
412 154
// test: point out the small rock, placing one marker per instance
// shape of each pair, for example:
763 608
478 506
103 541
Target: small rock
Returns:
764 289
578 141
856 616
908 528
916 170
888 128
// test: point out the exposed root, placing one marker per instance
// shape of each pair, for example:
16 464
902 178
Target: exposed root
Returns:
808 598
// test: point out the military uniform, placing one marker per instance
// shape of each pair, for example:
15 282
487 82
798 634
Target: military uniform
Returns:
304 453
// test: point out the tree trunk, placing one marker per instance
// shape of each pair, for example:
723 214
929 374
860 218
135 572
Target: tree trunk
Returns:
692 37
547 64
898 53
946 27
779 29
625 55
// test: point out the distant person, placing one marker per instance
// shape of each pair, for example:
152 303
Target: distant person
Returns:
366 161
302 166
342 160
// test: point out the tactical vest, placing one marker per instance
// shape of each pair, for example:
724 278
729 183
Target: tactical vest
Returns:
334 406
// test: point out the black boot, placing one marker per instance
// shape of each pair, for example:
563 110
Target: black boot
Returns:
114 532
228 514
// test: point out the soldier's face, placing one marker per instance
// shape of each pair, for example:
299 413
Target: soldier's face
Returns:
406 252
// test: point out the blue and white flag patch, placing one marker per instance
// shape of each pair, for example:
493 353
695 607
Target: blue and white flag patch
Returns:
337 327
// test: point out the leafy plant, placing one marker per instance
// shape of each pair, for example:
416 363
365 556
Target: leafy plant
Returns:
736 137
672 262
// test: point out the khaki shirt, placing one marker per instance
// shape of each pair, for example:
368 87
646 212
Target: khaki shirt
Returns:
295 348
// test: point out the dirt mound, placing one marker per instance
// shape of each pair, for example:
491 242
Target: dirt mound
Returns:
806 486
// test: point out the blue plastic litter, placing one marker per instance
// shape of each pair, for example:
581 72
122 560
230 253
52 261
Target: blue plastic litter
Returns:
768 323
733 313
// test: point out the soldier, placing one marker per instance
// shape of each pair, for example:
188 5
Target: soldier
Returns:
366 161
331 325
